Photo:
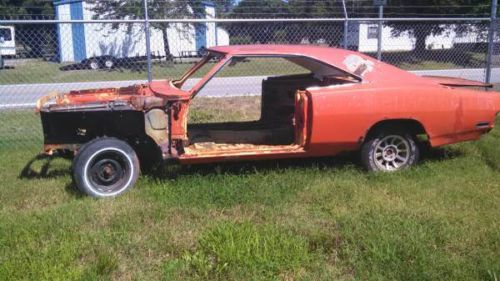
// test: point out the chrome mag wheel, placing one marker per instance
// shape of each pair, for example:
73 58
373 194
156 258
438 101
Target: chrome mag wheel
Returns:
392 153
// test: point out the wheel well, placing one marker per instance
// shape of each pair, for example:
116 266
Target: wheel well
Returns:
79 128
148 152
412 126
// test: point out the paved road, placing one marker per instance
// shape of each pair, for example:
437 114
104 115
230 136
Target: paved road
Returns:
25 95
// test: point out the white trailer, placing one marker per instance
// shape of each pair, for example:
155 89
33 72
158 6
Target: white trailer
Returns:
7 43
364 37
78 42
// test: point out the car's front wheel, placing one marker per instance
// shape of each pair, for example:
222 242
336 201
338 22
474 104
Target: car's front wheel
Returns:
389 151
105 167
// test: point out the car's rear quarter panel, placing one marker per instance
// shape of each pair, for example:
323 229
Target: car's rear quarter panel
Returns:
341 116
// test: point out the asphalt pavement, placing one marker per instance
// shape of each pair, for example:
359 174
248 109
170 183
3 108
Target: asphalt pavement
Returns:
17 96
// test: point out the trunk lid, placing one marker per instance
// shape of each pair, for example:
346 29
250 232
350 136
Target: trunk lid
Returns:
457 82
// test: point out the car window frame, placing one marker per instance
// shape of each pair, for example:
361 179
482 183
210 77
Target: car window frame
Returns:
228 57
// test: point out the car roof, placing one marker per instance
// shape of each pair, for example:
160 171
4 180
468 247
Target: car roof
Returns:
340 58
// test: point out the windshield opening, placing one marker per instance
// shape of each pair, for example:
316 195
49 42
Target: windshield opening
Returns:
199 69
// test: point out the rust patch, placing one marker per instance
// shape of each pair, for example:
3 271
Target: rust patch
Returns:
49 149
226 149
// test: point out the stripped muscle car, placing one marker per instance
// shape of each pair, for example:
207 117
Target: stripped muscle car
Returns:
343 101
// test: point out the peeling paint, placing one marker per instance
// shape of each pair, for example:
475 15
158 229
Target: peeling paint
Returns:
357 65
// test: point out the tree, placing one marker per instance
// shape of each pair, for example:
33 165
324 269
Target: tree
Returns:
223 7
157 9
432 8
244 33
37 40
330 32
27 9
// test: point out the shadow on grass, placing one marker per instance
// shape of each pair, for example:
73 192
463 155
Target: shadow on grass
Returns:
72 190
47 171
440 153
28 172
351 159
171 172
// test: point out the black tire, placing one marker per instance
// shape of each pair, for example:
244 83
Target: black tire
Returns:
109 63
2 63
385 151
105 167
202 51
94 64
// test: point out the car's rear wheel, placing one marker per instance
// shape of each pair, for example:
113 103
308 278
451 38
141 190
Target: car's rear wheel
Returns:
105 167
109 63
389 151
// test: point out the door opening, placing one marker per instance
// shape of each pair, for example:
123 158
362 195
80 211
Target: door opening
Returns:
279 120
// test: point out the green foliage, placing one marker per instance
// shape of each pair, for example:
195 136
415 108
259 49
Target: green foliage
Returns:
260 9
26 8
122 9
434 8
223 6
439 8
246 251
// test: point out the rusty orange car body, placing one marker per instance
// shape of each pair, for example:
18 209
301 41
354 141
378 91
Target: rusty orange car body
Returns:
347 96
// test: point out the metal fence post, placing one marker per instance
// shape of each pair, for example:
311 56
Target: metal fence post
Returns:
148 39
346 25
380 27
491 39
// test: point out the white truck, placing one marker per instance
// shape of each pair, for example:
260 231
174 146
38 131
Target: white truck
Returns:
7 43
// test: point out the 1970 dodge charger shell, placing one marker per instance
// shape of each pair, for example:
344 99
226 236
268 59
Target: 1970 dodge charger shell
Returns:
346 101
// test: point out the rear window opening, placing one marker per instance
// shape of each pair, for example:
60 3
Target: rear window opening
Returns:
257 103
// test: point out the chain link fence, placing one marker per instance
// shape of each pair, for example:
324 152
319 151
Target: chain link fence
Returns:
41 57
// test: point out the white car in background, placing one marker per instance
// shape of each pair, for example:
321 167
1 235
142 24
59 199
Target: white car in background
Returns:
7 43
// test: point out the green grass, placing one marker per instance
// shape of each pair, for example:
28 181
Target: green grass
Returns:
307 219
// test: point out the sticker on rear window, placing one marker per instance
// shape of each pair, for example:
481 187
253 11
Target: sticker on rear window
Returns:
358 65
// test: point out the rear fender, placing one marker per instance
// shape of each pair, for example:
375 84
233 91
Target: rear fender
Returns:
497 104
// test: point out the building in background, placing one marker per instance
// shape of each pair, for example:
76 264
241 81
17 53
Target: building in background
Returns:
363 37
77 42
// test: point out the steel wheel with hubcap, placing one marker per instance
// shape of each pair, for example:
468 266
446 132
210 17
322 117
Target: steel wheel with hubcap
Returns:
105 167
388 152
